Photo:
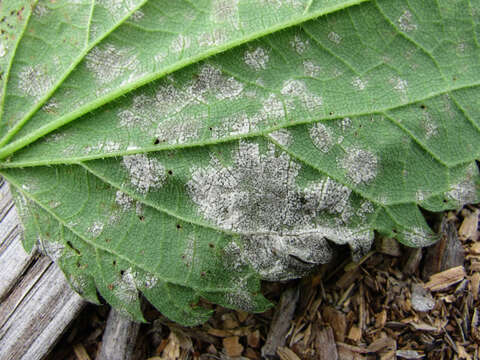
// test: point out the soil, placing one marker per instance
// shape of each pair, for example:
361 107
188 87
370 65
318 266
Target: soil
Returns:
396 303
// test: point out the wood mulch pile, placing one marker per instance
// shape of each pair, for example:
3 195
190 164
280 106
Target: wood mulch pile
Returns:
397 303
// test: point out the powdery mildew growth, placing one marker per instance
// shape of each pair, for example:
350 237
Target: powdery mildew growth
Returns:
165 112
321 137
256 59
145 173
283 227
360 165
108 62
34 80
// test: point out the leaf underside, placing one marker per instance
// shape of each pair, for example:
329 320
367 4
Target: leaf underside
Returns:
186 150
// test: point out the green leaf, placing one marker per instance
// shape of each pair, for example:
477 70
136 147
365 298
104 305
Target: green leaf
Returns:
187 150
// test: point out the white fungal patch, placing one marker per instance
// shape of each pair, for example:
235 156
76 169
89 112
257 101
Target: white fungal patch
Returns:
137 16
399 85
108 62
238 124
466 191
40 10
145 173
53 249
150 281
3 49
212 38
225 10
165 110
117 7
180 44
124 200
311 69
106 147
96 229
405 22
189 250
283 137
281 3
299 45
256 59
418 237
428 124
361 165
346 124
179 130
34 80
126 289
334 37
359 84
298 89
257 197
240 297
321 137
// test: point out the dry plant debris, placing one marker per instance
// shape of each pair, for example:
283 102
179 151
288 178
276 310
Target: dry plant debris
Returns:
396 303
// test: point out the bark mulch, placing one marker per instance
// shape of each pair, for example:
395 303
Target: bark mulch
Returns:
396 303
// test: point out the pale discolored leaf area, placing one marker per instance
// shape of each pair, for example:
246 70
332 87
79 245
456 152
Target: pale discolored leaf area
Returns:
184 151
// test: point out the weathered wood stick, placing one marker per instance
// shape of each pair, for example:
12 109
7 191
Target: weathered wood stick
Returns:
119 338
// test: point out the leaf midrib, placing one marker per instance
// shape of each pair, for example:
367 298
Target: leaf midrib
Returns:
147 149
65 119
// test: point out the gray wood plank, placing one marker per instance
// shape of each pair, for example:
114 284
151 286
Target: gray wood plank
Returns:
36 302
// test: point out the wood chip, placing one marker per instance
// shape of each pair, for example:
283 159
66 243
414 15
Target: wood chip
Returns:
232 346
253 339
389 246
475 285
119 338
80 352
281 322
337 320
325 346
468 229
285 353
382 343
445 279
412 261
355 334
446 253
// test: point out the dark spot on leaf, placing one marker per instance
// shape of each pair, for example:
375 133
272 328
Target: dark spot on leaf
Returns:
122 272
114 263
211 245
141 217
179 226
331 113
423 106
73 248
156 141
203 273
170 172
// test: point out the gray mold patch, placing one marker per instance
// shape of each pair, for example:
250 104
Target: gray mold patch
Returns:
281 225
145 173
